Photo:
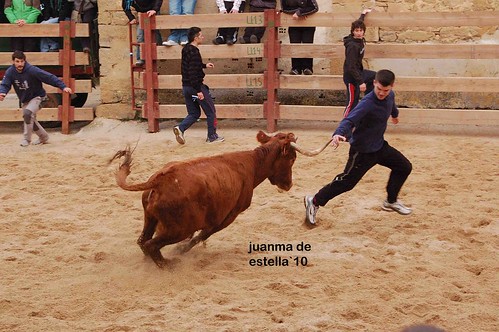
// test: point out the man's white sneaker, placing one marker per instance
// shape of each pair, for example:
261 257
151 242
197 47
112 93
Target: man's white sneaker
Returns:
179 135
39 141
170 43
24 143
397 207
310 209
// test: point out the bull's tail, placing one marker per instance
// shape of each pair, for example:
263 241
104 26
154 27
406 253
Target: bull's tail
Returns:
124 171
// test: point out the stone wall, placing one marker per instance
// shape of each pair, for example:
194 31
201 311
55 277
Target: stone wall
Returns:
115 57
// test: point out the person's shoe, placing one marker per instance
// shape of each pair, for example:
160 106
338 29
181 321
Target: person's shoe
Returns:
179 135
253 39
24 143
230 41
310 209
140 62
219 40
307 71
170 42
40 141
214 139
397 207
294 72
86 50
241 40
183 43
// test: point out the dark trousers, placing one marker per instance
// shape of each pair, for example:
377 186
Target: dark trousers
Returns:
230 33
353 90
257 31
194 106
359 163
24 44
88 16
298 35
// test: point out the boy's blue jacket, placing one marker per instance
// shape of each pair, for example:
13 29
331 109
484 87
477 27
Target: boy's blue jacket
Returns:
28 83
369 118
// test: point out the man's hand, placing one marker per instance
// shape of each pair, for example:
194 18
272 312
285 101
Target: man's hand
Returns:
21 22
200 96
68 90
2 96
151 13
210 65
362 87
367 10
337 139
395 120
134 21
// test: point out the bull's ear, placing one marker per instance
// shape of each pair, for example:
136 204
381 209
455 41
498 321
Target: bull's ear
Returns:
262 137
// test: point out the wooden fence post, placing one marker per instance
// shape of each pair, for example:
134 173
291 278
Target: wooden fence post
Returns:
149 54
67 30
272 52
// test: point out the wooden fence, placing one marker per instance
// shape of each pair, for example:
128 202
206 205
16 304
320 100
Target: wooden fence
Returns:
272 50
65 58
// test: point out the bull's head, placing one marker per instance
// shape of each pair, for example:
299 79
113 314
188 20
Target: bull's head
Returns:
281 174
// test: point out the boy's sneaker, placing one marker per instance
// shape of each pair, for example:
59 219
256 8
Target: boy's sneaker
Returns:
253 39
170 42
219 40
294 72
140 62
214 139
241 40
24 143
310 209
307 71
179 135
397 206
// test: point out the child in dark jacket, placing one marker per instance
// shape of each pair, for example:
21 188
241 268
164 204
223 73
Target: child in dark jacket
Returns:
300 9
356 78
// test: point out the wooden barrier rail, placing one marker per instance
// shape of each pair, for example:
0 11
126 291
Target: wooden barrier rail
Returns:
65 58
272 50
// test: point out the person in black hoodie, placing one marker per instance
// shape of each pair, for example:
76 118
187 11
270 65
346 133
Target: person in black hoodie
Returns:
300 9
151 7
356 78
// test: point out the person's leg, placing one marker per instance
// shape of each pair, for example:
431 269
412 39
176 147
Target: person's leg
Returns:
16 44
357 165
88 16
140 39
400 167
174 8
295 37
368 78
353 92
208 107
31 124
193 109
158 37
308 38
188 7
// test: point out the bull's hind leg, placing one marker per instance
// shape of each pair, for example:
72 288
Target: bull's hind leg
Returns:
147 232
153 246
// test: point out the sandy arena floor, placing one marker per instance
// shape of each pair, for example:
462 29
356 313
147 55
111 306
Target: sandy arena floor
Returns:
70 262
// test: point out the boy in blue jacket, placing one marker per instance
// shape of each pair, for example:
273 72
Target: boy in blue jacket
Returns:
27 81
367 148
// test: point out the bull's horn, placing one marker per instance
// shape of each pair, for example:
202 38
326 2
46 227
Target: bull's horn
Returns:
310 153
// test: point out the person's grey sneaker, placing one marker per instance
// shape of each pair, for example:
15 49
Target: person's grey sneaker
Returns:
214 139
179 135
24 143
310 209
40 141
307 71
170 42
397 207
294 72
253 39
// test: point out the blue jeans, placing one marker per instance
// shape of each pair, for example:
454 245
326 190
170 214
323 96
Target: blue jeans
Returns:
180 7
49 44
140 38
194 109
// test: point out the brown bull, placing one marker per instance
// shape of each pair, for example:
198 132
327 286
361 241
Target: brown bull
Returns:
206 194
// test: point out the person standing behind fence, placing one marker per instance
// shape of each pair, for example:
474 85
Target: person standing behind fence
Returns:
228 35
87 13
196 94
356 78
300 9
27 81
151 7
23 12
52 10
255 34
179 7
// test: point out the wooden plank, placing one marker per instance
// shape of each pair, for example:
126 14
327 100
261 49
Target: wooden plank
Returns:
226 81
224 111
210 21
236 51
40 30
398 19
82 86
402 83
44 58
45 114
395 51
407 115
